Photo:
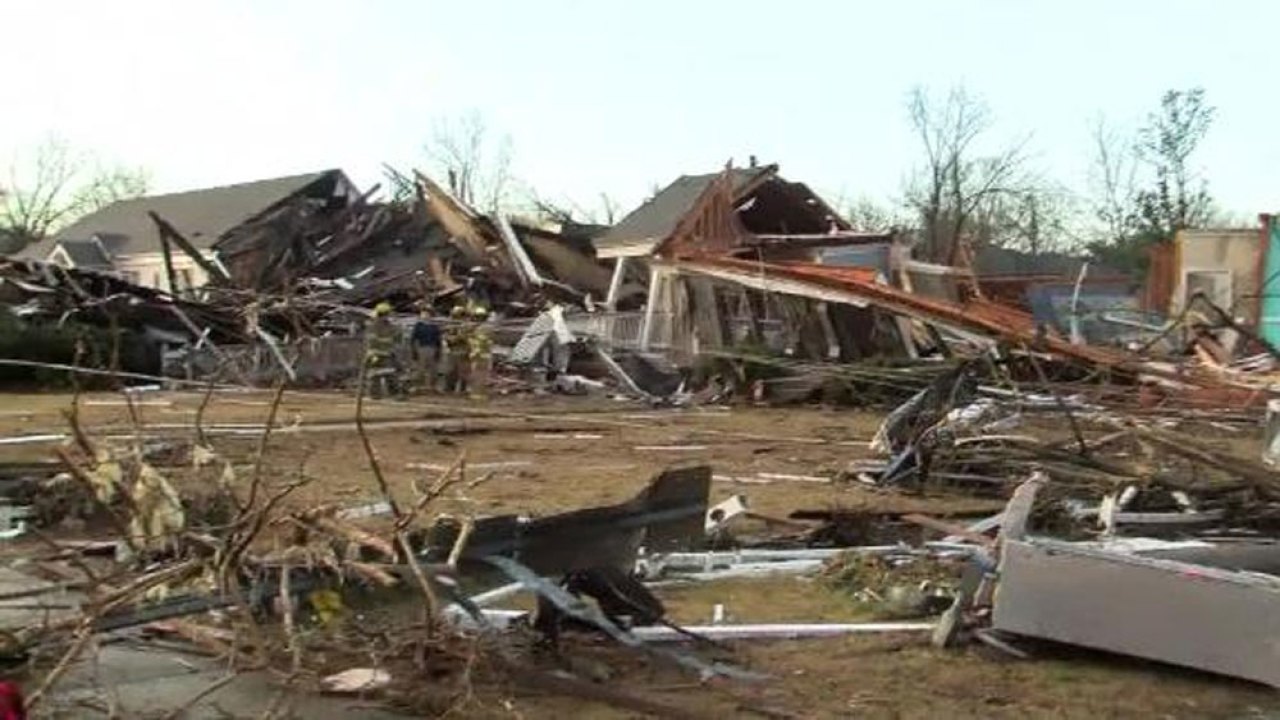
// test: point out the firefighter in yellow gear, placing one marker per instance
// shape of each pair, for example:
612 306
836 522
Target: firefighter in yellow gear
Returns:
457 350
380 336
382 339
480 354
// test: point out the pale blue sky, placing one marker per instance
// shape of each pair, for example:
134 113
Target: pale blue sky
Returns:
615 96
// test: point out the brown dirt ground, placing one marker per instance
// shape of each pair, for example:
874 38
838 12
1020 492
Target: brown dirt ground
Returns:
575 452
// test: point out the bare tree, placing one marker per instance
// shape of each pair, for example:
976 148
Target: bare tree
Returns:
606 211
867 214
36 201
610 210
1113 182
54 188
477 169
961 190
1038 218
111 184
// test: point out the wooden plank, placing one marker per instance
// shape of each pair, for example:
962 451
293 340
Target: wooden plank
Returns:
457 220
947 529
168 264
166 230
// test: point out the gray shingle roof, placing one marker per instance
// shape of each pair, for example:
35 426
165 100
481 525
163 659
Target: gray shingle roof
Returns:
654 220
202 216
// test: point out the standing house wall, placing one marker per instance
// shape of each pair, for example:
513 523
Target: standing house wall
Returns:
1232 255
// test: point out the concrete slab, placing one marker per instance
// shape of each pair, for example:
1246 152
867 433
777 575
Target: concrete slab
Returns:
142 680
145 681
21 612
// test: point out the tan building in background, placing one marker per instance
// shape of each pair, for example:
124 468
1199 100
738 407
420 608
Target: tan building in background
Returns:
1221 263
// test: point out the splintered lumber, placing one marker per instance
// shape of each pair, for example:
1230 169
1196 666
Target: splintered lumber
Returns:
169 233
947 528
463 227
352 534
1257 474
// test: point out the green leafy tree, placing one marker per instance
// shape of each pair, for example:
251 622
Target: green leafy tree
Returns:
1178 197
1146 188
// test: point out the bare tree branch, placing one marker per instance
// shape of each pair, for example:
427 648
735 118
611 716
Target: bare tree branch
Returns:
478 170
963 194
55 187
607 211
1113 181
867 214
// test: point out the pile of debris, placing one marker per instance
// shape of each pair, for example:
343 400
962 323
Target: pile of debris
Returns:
202 554
1099 451
288 292
757 292
189 545
895 588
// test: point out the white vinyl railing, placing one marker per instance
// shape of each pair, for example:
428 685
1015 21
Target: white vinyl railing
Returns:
615 330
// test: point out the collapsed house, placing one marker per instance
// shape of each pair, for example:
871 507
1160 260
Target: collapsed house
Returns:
749 213
715 249
315 229
289 267
717 287
123 240
741 265
137 326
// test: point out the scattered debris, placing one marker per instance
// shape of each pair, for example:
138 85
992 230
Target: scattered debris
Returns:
356 681
895 587
1134 456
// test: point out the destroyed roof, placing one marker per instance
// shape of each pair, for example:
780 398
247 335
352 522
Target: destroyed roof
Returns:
977 317
855 286
657 217
54 292
202 216
565 263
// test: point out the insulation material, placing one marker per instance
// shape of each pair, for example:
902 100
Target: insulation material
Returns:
158 509
106 476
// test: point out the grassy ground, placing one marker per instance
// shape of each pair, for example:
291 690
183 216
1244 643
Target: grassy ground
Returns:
548 454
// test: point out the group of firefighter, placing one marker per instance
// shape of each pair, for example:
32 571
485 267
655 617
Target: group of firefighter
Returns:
457 350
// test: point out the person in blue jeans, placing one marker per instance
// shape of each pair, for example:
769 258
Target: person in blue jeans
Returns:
425 341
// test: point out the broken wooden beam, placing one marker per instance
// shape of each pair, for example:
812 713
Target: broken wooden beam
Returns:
215 272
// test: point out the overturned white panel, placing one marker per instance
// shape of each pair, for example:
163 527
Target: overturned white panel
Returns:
1194 615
